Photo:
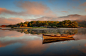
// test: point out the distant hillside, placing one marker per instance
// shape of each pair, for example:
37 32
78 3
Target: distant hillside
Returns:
81 23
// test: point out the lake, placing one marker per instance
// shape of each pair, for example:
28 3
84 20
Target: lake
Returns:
30 42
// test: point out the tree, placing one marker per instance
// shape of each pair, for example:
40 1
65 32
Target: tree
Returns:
66 23
25 25
26 22
74 24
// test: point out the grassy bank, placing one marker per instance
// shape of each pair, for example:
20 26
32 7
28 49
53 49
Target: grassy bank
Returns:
38 27
26 27
21 27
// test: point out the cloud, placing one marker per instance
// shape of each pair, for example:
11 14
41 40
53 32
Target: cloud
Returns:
84 4
45 18
85 9
69 17
10 21
42 19
35 8
6 11
72 17
65 11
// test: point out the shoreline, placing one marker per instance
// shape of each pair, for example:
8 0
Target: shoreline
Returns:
34 28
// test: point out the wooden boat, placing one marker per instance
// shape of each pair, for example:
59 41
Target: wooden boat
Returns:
57 40
48 38
51 36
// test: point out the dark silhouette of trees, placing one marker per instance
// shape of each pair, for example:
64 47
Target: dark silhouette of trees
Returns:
53 24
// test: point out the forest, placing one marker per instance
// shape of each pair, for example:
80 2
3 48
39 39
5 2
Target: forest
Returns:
48 24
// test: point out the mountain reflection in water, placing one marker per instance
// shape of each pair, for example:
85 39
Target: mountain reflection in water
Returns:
31 42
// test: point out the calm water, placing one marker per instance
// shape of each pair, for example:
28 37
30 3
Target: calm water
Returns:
30 42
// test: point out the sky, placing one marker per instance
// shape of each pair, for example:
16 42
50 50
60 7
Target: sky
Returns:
15 11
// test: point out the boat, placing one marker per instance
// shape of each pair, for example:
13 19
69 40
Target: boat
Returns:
51 36
48 38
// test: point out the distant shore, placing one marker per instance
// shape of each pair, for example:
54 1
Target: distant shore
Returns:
28 27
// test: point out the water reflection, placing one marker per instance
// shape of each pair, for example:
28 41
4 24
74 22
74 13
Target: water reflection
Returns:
49 38
4 33
29 42
52 31
32 47
47 31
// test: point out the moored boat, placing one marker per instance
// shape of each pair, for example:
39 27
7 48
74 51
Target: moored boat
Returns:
53 36
47 38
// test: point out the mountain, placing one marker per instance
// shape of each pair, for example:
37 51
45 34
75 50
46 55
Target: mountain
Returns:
81 23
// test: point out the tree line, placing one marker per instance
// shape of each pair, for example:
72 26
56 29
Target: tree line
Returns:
51 24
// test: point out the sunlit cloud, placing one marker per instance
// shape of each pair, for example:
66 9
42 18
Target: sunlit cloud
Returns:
69 17
72 17
85 9
42 19
35 8
65 11
42 12
10 20
18 20
84 4
6 11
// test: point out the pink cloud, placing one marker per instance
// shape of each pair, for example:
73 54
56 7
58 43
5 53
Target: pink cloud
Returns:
6 11
35 8
69 17
41 19
10 20
84 4
3 10
65 11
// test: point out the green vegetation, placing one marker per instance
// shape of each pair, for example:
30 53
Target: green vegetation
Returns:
47 31
46 24
21 27
38 27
